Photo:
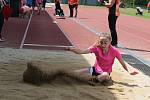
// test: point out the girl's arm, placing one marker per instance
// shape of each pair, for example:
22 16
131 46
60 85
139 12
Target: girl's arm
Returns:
77 51
125 67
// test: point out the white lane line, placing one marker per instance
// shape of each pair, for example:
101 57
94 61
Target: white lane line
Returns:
86 27
39 45
26 31
134 55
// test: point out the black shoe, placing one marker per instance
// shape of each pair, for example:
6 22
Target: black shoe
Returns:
2 39
115 45
75 16
70 16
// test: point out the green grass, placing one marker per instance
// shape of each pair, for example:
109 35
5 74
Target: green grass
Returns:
132 12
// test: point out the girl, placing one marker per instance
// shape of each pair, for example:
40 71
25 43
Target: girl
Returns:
105 54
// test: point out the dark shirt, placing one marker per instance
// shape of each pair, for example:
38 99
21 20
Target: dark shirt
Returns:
112 10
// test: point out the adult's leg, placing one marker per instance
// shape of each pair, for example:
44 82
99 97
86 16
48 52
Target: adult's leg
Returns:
112 26
76 10
44 3
1 24
71 10
39 8
61 12
33 4
57 8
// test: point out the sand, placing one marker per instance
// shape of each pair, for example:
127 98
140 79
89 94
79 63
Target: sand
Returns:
13 62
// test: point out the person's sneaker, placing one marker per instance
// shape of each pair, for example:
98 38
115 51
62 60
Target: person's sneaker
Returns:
2 40
75 16
70 16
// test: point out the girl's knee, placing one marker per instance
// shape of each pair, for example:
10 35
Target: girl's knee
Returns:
104 76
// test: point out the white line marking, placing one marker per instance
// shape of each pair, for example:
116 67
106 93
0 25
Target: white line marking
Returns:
39 45
26 31
86 27
134 55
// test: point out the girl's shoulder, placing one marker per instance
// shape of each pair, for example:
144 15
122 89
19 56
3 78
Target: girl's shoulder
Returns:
114 49
94 49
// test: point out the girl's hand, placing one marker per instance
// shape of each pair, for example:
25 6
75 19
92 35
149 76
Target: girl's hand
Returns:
134 72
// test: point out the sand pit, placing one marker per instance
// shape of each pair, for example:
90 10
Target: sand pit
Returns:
38 73
13 63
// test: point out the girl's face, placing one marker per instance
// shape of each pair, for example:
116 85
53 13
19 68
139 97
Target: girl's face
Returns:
104 42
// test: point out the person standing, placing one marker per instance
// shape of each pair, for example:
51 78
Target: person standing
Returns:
114 13
73 4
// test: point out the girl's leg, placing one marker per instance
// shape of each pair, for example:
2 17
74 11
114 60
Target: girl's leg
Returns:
84 70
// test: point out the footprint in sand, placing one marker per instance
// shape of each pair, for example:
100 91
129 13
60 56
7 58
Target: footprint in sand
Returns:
119 90
130 90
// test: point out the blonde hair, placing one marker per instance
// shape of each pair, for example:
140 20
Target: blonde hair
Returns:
107 35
